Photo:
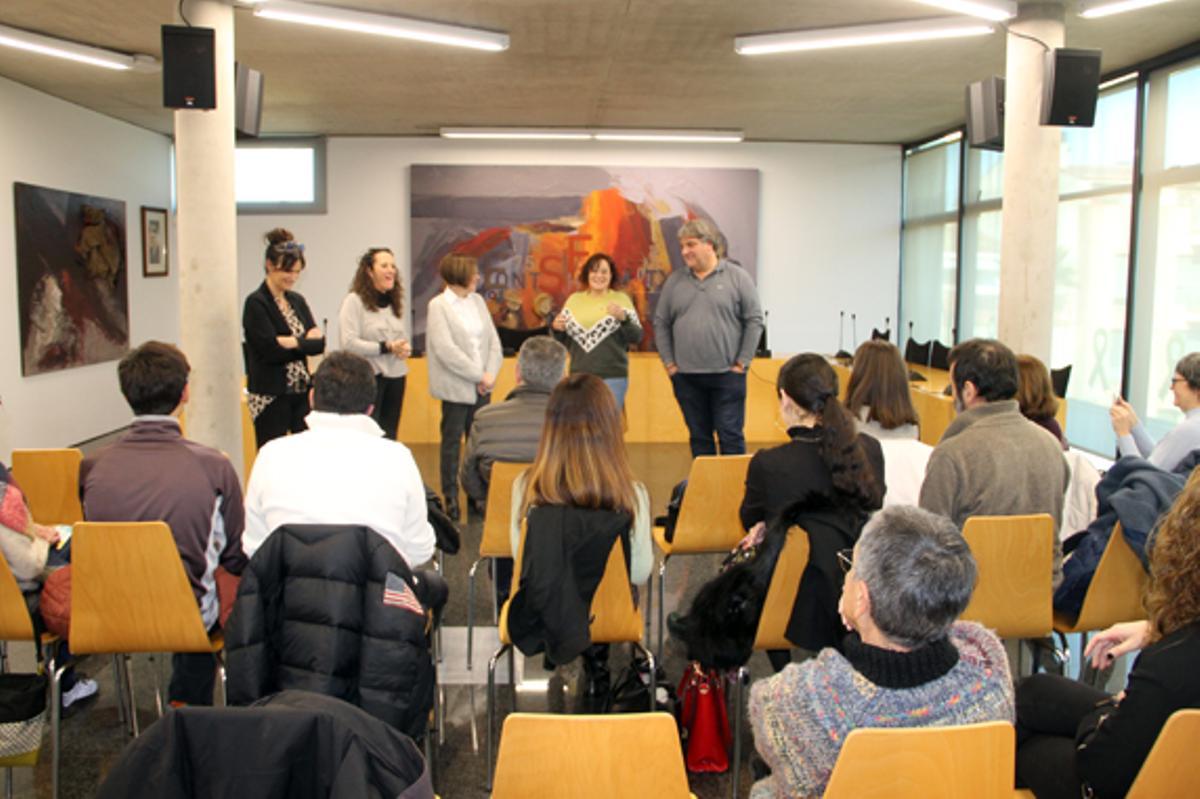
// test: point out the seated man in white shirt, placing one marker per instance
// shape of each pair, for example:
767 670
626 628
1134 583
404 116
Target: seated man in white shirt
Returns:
341 470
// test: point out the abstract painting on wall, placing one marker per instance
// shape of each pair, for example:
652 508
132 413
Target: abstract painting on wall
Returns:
530 228
72 285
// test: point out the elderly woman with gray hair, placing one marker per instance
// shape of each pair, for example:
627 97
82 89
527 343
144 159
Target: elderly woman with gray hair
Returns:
905 663
1132 438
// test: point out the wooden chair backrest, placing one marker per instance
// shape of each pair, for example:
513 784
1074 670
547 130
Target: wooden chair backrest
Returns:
614 616
495 541
1171 768
129 592
1014 556
708 518
49 479
15 624
781 593
976 760
1115 593
590 757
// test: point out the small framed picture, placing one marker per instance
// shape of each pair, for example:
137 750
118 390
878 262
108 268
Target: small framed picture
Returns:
155 248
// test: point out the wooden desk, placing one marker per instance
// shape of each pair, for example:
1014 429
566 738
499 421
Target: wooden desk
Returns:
652 415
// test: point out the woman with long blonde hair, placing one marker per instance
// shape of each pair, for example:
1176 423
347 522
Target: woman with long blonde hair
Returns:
1072 738
581 463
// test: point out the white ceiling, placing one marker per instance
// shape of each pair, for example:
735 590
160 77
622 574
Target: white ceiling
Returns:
577 63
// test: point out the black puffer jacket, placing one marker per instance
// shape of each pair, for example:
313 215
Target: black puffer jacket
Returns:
311 614
294 744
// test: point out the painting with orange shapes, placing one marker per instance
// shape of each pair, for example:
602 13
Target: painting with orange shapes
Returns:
530 229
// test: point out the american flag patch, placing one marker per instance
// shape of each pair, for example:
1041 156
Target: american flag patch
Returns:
398 594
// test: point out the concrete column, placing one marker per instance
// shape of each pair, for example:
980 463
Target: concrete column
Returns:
209 307
1029 217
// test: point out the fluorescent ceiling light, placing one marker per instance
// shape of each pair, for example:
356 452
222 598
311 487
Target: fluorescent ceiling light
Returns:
61 48
382 25
995 10
698 136
856 35
516 133
1092 9
605 134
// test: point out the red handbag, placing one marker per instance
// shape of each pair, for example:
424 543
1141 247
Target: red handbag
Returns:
704 720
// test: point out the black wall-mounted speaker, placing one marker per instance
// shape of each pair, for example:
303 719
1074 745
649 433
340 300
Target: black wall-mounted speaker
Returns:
189 67
248 94
1071 84
985 114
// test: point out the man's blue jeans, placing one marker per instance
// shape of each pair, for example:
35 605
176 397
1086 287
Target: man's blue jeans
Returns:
713 403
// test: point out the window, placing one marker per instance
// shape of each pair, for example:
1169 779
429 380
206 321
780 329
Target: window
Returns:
980 300
929 250
275 176
1092 269
1166 319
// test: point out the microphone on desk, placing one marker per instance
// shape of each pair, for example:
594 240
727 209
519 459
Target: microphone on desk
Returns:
841 354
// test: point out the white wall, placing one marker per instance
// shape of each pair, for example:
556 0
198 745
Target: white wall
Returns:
52 143
829 234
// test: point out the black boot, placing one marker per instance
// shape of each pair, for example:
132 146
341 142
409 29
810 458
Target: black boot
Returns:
451 502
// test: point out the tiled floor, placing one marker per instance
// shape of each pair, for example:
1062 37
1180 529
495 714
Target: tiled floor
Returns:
93 738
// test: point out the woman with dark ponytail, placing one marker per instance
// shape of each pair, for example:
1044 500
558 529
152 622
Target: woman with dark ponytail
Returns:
827 479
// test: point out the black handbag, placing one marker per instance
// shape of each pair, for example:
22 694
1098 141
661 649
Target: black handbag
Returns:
22 713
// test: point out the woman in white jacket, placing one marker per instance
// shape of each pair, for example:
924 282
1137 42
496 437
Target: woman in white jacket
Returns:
464 358
372 325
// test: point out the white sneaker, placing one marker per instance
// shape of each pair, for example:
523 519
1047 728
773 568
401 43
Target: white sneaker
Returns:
82 689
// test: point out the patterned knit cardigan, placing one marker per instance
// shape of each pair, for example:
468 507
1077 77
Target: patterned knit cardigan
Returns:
802 715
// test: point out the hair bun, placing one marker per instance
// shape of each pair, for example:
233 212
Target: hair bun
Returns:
279 236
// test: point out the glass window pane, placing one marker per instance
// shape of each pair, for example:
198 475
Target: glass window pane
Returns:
985 176
1089 311
927 283
275 174
1101 156
1183 116
981 275
931 181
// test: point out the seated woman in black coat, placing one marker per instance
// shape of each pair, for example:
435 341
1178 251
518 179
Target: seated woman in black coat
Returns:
827 479
1074 740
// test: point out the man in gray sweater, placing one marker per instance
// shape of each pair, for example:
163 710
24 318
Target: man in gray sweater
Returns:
992 461
707 324
509 431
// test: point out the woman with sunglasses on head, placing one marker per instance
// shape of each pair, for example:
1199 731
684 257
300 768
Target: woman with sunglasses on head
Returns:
371 324
280 334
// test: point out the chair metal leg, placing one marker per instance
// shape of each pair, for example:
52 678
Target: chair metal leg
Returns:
158 698
441 567
133 719
653 666
56 673
491 706
740 677
662 624
471 610
649 612
119 684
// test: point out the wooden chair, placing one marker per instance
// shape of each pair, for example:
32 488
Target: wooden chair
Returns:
708 520
615 619
1114 594
1171 768
976 760
772 627
496 541
590 757
16 625
49 479
129 593
1014 556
